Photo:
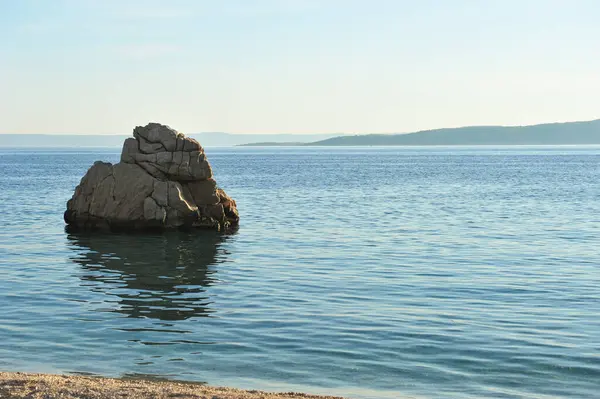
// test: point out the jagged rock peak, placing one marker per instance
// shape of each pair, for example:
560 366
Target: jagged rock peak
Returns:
166 154
163 181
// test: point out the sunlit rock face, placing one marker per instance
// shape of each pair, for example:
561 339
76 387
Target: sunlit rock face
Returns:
164 181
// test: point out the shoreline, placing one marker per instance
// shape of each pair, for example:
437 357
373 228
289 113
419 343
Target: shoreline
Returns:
17 385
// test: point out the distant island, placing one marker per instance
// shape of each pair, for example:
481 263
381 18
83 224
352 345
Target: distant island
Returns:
569 133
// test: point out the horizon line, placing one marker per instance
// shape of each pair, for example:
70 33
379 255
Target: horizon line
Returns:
315 134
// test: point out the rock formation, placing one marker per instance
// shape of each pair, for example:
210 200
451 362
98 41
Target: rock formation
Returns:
163 181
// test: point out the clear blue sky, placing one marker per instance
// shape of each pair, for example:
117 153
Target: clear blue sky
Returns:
296 66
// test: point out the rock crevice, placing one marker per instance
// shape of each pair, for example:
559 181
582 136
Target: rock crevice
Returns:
163 181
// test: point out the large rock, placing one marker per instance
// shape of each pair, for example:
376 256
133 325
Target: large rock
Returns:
163 181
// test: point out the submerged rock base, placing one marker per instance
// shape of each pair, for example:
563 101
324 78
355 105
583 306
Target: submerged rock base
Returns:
163 181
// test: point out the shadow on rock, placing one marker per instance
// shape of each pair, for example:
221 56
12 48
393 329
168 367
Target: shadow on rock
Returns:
155 276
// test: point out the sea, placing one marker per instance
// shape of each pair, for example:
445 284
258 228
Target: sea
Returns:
366 272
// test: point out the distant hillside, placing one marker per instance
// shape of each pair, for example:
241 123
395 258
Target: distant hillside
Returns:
206 139
545 134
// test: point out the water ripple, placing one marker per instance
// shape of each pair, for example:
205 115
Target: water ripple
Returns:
373 273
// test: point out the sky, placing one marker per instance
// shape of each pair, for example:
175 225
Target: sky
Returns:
296 66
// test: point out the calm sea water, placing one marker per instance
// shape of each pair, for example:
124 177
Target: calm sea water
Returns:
367 272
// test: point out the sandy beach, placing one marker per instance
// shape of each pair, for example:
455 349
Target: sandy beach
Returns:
48 386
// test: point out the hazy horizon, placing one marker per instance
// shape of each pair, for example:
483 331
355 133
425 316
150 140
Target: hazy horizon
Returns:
295 67
294 134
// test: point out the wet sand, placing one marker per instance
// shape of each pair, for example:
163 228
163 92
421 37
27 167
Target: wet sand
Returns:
48 386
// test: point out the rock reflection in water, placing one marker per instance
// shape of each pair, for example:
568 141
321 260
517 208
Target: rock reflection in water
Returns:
156 276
